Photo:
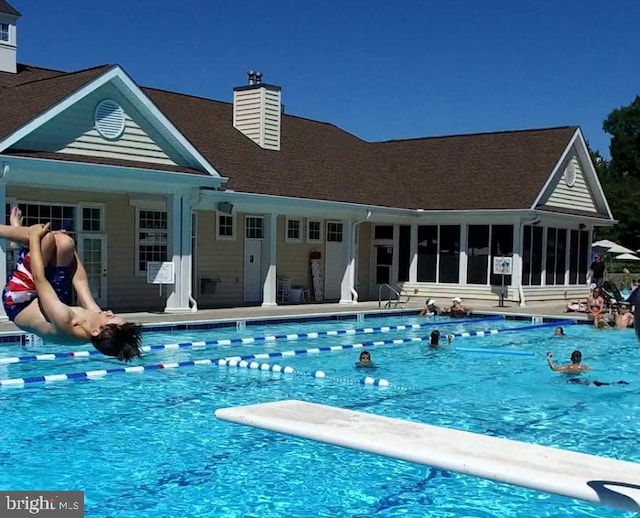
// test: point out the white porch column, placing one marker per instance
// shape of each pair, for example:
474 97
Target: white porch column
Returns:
3 246
464 258
413 252
179 251
269 260
349 262
516 262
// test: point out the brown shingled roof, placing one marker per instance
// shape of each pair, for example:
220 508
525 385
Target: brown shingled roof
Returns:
7 9
22 103
25 74
504 170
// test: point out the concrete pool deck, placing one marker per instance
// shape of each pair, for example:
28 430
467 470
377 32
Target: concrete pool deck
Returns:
555 309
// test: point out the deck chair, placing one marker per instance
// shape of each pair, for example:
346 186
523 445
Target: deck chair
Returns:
611 293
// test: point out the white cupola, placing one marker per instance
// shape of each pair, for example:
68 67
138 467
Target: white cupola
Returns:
8 38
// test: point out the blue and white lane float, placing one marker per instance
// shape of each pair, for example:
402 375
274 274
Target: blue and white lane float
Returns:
242 341
463 334
271 367
222 362
101 373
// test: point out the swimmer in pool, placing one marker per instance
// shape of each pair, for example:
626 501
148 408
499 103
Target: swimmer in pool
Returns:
434 338
364 362
571 368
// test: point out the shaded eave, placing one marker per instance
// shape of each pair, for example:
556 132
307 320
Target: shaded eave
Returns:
82 176
69 96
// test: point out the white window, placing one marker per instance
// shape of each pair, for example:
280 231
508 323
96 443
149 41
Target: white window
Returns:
4 32
61 217
334 231
225 226
294 230
254 227
151 237
314 231
91 218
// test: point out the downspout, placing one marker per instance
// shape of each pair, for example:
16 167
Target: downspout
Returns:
354 293
192 301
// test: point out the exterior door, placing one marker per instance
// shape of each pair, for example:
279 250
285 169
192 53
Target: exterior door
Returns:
384 263
92 250
252 270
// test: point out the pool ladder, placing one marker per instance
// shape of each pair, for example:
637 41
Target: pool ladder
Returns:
396 295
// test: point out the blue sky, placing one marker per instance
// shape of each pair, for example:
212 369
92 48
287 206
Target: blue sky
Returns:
382 70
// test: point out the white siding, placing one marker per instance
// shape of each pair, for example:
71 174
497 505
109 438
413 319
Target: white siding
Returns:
257 114
126 292
220 260
73 132
293 260
577 197
134 144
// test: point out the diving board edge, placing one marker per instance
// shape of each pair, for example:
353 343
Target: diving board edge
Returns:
601 480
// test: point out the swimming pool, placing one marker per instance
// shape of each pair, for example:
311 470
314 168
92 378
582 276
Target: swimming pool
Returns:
147 444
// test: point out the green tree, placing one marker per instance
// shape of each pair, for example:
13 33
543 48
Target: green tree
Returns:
623 124
620 177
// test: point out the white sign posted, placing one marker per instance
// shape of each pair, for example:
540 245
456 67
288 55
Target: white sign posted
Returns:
160 273
502 265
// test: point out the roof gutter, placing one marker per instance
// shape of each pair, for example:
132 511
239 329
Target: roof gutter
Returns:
80 176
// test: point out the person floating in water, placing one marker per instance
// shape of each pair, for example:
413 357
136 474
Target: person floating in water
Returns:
574 367
364 362
434 338
558 331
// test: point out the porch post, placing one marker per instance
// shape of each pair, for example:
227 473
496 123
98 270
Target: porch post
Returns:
413 253
349 262
269 260
179 252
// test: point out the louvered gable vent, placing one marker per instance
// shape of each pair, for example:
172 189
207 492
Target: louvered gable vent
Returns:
109 119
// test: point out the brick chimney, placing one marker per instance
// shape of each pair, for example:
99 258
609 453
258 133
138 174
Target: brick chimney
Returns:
257 109
8 38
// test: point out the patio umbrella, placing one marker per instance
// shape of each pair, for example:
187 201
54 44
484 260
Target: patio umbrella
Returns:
610 247
626 257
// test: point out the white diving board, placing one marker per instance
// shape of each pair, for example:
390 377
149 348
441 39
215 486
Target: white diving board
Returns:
610 482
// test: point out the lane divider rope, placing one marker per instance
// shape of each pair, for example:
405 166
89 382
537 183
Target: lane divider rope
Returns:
271 367
242 341
101 373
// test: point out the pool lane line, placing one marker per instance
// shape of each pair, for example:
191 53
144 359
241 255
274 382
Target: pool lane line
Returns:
100 373
241 341
272 367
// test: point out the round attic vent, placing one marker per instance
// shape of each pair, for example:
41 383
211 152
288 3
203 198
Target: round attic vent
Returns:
109 119
571 171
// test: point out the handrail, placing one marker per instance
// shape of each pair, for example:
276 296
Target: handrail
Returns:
398 292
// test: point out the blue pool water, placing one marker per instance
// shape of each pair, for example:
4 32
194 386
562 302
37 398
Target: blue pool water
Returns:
147 444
